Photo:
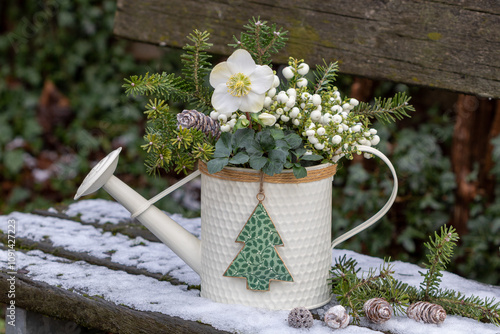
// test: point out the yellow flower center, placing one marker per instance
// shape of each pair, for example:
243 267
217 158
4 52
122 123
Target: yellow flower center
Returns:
238 85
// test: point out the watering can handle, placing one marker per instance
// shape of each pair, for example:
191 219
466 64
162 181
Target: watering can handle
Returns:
384 209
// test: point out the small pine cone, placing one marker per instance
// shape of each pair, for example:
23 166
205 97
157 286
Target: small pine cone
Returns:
337 317
300 317
426 312
194 119
378 310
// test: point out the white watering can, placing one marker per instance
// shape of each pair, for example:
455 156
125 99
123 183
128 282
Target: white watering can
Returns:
301 213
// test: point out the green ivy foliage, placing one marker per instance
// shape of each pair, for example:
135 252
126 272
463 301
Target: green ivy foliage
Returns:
70 43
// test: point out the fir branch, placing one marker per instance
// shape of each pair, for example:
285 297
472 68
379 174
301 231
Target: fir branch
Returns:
325 75
197 67
261 40
167 85
472 307
386 110
440 252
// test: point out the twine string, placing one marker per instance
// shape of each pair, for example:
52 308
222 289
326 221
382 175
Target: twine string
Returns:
246 175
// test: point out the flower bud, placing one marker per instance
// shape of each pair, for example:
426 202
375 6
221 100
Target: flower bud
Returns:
336 139
296 122
282 97
316 115
285 118
291 92
288 72
316 99
276 81
302 82
291 102
310 133
214 115
375 140
267 102
353 102
267 119
319 146
313 140
321 131
294 113
356 128
337 119
271 92
303 69
222 118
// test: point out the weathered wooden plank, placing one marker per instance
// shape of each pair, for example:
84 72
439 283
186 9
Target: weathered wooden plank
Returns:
95 313
446 44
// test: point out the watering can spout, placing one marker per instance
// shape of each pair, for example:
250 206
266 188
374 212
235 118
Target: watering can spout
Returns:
180 241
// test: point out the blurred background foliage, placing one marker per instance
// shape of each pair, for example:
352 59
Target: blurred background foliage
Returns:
62 109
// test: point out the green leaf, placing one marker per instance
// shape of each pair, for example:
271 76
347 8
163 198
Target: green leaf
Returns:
257 162
239 158
242 137
223 146
265 140
216 165
278 155
277 133
299 171
254 148
288 165
272 167
311 157
293 140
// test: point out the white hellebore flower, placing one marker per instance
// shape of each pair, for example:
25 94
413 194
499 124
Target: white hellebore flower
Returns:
267 119
240 84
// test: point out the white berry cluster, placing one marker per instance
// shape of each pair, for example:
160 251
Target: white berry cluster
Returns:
324 119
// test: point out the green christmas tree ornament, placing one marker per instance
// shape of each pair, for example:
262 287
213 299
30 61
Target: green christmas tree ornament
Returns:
258 260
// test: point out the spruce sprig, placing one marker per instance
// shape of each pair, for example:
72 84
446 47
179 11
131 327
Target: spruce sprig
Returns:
261 40
197 67
353 290
440 252
325 75
166 85
386 110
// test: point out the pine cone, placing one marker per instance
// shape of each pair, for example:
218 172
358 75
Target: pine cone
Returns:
426 312
337 317
378 310
300 317
194 119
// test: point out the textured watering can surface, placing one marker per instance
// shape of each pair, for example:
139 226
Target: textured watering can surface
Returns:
297 214
301 213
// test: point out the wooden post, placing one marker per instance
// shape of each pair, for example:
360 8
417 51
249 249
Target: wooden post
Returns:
477 122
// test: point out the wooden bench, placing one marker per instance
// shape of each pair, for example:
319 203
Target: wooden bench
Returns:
89 269
448 45
442 44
